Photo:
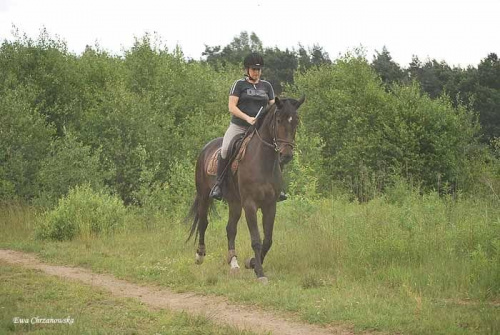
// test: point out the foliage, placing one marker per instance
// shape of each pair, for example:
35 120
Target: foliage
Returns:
135 123
235 51
371 136
24 142
303 172
172 197
68 164
135 114
477 87
82 213
388 70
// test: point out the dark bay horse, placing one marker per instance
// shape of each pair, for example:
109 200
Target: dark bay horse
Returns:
256 184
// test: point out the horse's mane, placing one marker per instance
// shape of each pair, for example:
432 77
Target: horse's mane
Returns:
264 115
271 108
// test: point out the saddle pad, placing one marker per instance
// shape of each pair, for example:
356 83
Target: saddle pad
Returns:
241 153
212 162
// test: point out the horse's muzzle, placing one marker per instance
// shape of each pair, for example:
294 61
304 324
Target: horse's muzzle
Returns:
286 157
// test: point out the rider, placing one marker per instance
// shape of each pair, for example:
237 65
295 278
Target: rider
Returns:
246 98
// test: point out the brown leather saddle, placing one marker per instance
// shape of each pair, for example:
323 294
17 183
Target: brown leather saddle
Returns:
240 145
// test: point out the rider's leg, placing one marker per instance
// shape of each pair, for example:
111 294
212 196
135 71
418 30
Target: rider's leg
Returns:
232 131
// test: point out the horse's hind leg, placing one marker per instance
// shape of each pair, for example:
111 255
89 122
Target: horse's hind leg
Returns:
231 229
202 227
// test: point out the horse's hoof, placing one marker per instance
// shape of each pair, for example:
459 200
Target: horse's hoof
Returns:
263 280
234 264
250 263
234 271
199 259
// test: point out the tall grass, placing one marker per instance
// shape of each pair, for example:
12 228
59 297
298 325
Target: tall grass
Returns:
422 264
436 245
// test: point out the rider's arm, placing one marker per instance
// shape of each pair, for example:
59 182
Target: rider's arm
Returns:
233 108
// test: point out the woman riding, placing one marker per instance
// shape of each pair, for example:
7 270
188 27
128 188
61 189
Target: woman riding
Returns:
247 97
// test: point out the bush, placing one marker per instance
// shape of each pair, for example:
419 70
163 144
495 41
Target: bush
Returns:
171 198
70 163
24 141
371 136
83 212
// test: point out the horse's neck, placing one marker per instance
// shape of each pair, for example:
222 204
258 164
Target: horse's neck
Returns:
265 127
264 153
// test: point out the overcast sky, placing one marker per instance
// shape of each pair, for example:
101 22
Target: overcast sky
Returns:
460 32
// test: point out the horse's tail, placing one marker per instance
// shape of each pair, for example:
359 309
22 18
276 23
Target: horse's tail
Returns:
202 204
194 217
194 214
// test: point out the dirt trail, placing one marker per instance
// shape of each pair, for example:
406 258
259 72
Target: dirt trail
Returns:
216 309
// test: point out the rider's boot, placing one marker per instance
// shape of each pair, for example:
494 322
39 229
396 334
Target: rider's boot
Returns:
216 192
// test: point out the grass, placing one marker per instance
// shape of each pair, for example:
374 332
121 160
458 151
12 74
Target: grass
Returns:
401 263
30 295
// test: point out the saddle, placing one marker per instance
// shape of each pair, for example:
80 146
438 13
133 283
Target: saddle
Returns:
238 146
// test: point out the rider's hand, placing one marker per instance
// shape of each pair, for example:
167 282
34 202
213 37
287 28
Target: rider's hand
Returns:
251 120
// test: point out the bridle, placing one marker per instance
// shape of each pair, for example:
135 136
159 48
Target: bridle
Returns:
276 141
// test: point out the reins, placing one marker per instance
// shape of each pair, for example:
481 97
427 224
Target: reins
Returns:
276 141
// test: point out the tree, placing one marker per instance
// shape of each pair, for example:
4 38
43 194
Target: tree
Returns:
388 70
280 67
487 99
432 75
235 51
370 136
312 57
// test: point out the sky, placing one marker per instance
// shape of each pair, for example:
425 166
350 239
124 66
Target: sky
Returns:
459 32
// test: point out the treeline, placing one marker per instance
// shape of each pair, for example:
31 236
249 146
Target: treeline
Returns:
477 87
133 124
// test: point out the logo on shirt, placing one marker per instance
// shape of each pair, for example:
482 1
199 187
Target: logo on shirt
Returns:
254 92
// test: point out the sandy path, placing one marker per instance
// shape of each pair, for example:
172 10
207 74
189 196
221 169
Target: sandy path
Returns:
217 309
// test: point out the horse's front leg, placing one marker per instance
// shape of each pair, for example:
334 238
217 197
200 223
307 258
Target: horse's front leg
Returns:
255 263
268 216
231 229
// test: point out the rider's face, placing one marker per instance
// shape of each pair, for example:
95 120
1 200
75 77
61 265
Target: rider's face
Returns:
254 73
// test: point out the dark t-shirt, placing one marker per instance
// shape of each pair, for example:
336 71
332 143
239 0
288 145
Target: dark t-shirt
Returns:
251 98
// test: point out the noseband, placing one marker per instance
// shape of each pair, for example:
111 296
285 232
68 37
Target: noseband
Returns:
276 141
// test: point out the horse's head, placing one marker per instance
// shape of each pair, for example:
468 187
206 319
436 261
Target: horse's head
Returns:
285 124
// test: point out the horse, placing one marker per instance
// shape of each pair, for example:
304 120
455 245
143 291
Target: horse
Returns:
255 185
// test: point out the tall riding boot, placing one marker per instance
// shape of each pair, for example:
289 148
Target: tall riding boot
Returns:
216 191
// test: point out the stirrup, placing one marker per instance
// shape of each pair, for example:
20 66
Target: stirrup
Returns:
282 196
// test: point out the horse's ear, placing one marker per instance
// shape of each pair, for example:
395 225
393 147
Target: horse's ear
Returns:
278 102
300 101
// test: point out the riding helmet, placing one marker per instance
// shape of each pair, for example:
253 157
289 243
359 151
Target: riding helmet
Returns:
254 60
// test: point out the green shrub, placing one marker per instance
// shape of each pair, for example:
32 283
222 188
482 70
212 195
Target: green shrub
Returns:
70 163
369 136
172 197
24 141
83 212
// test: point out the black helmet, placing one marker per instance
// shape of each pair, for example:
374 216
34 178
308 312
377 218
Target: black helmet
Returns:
254 60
